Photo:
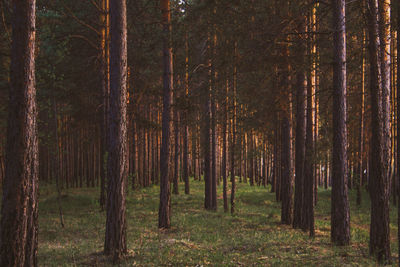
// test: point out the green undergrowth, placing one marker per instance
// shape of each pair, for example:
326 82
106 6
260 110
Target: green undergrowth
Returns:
251 237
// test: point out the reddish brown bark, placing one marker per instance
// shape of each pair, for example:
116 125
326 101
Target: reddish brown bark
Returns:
233 126
379 244
186 122
177 152
165 191
308 178
340 215
224 149
19 227
398 124
115 235
300 127
287 174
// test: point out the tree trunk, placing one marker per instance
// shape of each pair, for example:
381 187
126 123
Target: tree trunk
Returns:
19 226
186 158
308 178
379 181
165 193
340 215
104 20
224 149
133 155
287 176
186 122
206 145
263 162
56 169
115 236
251 161
205 75
398 125
175 189
233 179
213 152
300 148
194 154
145 153
361 136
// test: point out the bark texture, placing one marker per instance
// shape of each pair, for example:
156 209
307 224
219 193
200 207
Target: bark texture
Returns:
287 174
213 152
224 150
233 143
19 211
300 148
165 191
340 215
115 237
175 187
379 243
104 20
398 123
308 178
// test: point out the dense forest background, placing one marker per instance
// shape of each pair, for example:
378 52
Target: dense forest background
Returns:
69 52
259 97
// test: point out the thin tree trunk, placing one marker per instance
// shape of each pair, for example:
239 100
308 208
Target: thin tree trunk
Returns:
398 126
287 176
251 159
105 91
144 160
361 137
308 178
133 155
57 166
175 189
224 149
233 179
186 159
165 193
186 122
206 127
213 153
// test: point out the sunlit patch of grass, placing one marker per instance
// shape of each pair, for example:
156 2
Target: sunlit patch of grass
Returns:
253 236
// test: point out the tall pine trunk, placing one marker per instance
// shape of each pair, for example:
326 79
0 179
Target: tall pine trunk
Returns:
308 178
300 127
398 124
233 142
115 236
287 175
361 136
213 151
206 146
340 215
175 189
224 149
19 211
104 20
165 193
186 123
379 244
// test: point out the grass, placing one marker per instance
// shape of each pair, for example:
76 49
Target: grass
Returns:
251 237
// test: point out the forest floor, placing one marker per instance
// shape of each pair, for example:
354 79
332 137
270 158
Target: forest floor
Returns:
252 237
